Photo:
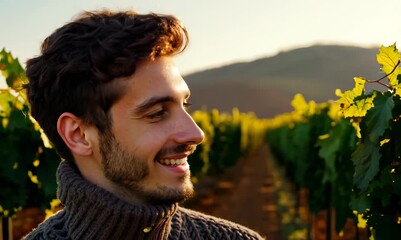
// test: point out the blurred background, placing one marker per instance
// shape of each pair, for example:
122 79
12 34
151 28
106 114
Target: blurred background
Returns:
265 51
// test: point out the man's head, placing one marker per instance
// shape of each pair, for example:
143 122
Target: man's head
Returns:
108 95
80 61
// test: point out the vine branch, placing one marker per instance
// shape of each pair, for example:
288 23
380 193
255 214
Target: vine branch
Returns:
379 80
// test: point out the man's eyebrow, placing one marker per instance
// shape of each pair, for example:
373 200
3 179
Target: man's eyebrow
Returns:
143 107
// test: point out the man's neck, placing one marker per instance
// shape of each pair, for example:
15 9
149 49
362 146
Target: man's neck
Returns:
98 211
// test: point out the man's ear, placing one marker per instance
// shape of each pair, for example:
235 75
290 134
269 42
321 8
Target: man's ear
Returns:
73 131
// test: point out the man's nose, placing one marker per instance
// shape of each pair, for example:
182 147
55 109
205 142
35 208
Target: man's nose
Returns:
188 131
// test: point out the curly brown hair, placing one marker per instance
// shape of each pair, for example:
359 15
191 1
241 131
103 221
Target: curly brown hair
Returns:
80 61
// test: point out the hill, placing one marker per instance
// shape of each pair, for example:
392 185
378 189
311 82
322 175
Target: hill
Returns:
266 86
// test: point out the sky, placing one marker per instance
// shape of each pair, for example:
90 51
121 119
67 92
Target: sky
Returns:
221 31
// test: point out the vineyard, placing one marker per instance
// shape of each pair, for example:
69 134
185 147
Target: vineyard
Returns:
340 158
346 153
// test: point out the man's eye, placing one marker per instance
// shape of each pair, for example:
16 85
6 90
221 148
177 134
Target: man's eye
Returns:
157 115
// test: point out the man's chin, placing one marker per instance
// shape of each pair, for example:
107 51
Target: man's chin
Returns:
166 195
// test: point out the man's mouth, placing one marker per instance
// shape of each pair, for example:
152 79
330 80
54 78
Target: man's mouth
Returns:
172 162
174 157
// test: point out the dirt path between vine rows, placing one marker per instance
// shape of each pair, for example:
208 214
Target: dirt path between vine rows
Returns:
244 194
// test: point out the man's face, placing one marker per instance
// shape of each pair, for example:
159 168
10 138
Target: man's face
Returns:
145 153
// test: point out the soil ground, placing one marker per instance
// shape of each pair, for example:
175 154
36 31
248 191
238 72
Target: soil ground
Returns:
244 194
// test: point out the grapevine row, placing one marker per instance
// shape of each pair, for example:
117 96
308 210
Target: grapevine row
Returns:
347 153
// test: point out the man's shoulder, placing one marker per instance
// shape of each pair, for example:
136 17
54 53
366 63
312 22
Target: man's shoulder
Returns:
45 230
210 225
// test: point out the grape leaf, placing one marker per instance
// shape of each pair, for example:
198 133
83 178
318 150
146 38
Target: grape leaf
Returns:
378 118
366 160
18 119
299 104
360 107
353 103
12 70
388 57
46 174
360 203
328 152
302 107
6 101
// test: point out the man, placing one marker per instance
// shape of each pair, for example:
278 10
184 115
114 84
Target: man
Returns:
108 95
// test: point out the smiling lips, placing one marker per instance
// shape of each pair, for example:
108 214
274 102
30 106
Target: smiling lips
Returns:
179 166
173 162
177 158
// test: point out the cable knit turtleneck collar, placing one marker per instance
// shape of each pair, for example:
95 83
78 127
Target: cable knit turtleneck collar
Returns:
94 213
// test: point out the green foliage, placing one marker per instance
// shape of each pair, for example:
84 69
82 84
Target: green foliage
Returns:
228 138
12 70
27 167
377 156
313 151
366 159
378 118
355 160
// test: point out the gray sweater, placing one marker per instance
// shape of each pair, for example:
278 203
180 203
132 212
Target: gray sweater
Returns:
91 212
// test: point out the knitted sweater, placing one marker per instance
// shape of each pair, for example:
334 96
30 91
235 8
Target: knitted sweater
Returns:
91 212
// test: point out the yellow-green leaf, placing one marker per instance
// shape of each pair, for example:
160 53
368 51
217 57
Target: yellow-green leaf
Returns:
299 104
359 86
388 57
12 70
353 103
6 101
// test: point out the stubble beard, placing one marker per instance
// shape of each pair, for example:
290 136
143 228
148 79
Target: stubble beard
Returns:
128 173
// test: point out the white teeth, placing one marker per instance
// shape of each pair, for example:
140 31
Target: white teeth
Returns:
172 162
